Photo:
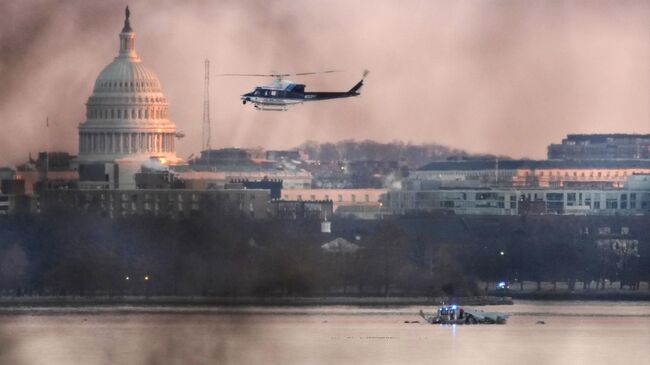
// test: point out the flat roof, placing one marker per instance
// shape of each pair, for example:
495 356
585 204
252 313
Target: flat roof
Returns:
603 137
468 165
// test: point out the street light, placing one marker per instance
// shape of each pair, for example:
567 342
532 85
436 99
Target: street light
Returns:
146 286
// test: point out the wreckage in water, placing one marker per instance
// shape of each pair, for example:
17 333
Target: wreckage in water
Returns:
452 314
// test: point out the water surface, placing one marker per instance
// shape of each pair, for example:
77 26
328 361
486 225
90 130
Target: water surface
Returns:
574 333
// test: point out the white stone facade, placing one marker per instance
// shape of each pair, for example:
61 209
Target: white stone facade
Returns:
127 113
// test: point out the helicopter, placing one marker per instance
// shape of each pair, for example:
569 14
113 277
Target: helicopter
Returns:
282 93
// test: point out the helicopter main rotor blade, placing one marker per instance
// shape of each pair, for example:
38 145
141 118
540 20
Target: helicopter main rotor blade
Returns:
283 75
256 75
316 72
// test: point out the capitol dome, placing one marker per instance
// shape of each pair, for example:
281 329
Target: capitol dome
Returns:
127 113
121 71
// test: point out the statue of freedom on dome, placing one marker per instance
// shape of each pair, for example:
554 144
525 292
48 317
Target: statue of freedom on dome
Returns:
127 25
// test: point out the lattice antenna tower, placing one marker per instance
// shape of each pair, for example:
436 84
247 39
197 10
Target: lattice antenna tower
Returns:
206 144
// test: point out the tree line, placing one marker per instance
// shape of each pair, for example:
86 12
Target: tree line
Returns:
64 253
415 155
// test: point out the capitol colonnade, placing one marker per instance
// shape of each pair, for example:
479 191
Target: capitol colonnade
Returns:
121 143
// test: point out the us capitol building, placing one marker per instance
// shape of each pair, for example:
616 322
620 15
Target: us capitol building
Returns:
127 163
127 122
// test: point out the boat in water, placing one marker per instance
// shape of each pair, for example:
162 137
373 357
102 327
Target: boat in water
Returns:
453 314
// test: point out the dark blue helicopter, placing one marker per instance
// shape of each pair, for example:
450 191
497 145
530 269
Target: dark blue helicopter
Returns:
281 93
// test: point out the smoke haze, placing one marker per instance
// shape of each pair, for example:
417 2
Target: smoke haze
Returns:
505 77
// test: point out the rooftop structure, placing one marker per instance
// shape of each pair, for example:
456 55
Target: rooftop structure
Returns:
223 156
284 154
468 165
601 146
527 173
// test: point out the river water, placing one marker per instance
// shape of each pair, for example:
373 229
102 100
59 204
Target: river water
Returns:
574 333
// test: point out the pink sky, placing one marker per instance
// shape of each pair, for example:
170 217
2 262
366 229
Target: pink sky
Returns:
505 77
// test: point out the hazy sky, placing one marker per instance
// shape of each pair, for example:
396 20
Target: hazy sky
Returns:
504 77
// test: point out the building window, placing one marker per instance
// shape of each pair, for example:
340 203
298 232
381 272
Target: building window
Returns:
611 203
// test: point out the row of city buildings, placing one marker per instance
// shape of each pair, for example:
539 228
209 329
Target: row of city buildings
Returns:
127 165
510 187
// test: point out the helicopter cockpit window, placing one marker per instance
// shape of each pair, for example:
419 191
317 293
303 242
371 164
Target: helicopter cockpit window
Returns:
258 92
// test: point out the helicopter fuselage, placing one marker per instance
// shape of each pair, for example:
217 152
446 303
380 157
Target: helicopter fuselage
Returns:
283 93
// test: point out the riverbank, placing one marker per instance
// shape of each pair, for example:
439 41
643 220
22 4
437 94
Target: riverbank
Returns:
506 297
17 302
587 295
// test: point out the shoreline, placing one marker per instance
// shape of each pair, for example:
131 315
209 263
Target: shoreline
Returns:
587 295
55 306
492 298
505 298
157 301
